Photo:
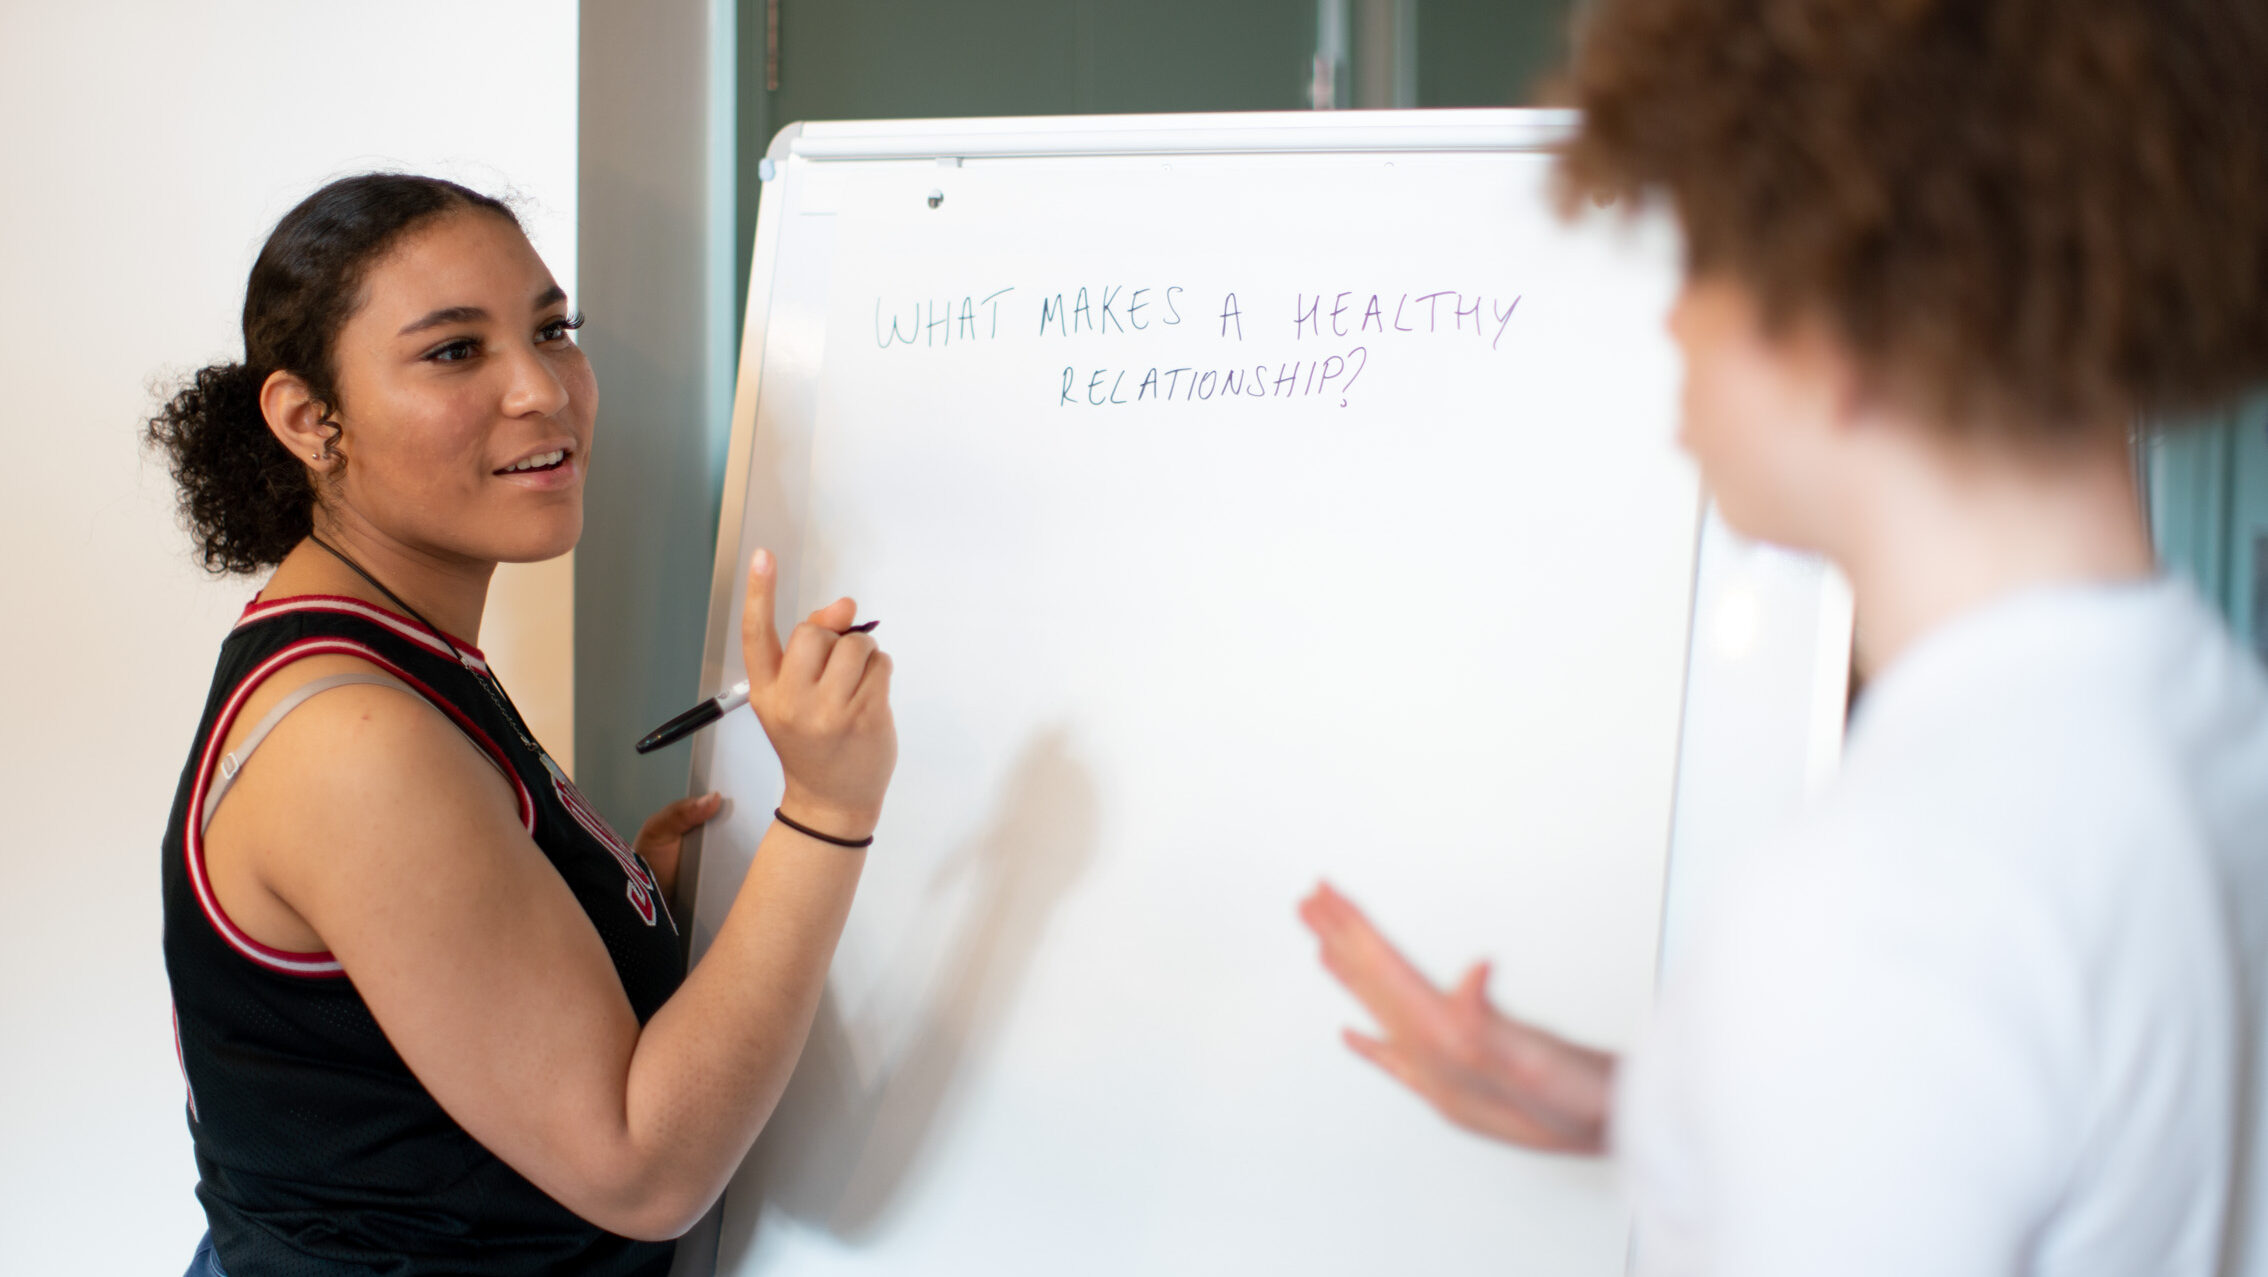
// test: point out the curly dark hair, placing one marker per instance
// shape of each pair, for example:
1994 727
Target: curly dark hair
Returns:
2040 218
245 498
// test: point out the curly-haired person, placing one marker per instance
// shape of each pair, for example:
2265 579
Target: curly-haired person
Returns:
1996 1005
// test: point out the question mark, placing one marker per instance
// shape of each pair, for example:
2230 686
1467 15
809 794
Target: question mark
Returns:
1363 351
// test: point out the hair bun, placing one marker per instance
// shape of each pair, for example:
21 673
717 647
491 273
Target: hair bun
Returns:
245 499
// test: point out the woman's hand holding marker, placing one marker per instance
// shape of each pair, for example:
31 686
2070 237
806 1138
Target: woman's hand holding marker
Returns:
1485 1072
824 701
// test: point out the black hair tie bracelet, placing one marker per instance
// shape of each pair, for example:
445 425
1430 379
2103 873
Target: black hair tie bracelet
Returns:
808 832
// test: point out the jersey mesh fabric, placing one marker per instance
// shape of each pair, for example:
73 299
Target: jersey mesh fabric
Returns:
318 1151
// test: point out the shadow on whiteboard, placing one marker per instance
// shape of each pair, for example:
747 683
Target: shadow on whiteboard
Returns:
840 1153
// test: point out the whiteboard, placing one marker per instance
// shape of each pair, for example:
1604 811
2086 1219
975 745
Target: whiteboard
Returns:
1246 499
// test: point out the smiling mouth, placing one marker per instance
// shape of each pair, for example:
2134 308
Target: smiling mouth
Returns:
538 463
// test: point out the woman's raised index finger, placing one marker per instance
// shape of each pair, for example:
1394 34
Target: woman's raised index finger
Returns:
759 633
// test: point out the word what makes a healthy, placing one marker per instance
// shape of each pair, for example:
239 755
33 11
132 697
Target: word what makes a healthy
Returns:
1317 345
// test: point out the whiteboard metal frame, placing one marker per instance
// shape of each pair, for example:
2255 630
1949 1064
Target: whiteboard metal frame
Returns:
1752 739
1255 133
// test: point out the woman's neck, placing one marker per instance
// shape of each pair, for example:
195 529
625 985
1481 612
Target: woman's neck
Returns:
447 591
1944 527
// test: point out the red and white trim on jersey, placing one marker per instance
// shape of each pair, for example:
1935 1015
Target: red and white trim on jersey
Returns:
322 964
340 604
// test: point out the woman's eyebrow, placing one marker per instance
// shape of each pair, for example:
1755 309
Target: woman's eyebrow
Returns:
550 296
446 315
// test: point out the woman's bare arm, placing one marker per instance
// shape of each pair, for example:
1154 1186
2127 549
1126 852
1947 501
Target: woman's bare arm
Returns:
486 974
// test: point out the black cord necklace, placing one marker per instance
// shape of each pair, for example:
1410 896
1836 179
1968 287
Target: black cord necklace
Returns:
488 684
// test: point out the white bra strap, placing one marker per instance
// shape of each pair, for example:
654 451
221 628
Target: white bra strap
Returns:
233 762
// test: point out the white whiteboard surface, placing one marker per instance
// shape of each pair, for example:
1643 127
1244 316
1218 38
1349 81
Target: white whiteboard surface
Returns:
1384 572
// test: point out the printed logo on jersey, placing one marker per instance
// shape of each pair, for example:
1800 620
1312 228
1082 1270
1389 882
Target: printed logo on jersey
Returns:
642 891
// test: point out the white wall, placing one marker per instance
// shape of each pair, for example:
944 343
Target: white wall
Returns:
147 149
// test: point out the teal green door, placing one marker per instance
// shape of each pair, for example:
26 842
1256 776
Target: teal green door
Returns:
2208 488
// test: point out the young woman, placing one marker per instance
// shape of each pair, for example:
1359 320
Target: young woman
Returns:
431 1010
1996 1006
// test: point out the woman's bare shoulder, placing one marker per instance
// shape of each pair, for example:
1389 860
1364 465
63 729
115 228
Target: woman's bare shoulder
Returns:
363 765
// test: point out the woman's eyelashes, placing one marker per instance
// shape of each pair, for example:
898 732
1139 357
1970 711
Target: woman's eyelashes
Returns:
557 329
458 350
454 351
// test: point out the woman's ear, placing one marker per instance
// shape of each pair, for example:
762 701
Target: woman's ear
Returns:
300 420
1845 396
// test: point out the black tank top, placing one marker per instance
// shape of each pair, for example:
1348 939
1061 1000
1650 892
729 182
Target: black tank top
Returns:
318 1152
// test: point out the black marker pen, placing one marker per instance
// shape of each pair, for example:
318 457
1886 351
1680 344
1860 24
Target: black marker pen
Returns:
712 709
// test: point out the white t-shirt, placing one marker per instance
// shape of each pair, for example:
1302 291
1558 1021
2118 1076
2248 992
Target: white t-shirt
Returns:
1996 1007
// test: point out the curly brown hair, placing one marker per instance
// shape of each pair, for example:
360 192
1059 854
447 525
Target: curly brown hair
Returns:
245 498
2040 218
